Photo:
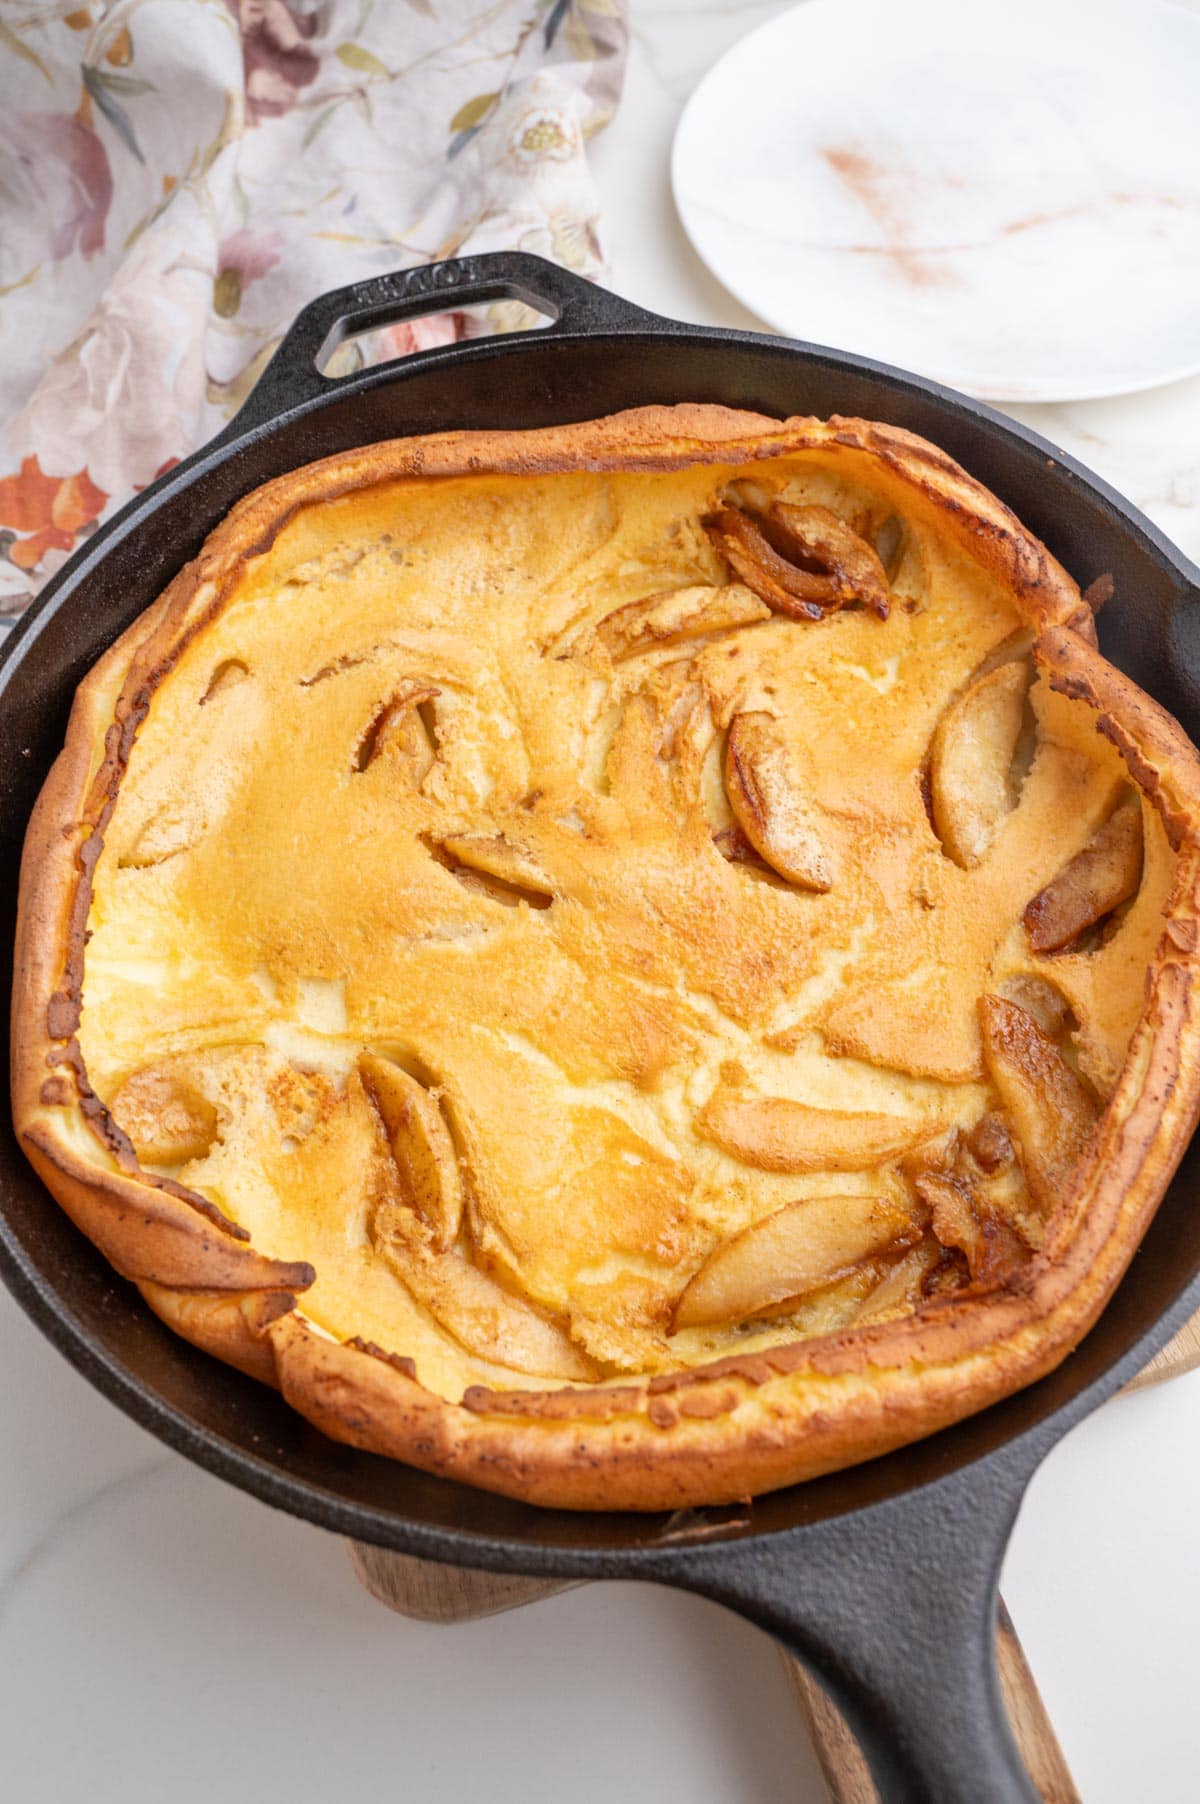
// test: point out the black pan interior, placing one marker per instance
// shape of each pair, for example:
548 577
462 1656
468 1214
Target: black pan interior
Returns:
238 1428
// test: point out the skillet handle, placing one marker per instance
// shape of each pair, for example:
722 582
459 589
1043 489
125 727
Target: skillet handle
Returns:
293 375
894 1607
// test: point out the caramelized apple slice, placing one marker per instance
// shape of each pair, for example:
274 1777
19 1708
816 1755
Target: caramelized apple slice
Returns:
802 561
802 1246
1051 1110
1106 873
506 871
742 542
937 1153
900 1289
853 565
970 761
765 798
991 1246
1041 999
399 727
990 1144
167 1119
678 615
426 1162
773 1133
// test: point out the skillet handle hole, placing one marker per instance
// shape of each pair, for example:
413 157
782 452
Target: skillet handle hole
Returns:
426 331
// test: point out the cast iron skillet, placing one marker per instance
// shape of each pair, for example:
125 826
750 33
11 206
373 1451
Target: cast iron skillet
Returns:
882 1578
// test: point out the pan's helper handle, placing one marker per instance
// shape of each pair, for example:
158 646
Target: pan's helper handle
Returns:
894 1605
293 376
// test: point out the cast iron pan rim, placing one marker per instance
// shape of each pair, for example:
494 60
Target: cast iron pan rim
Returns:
620 324
362 1522
654 328
650 330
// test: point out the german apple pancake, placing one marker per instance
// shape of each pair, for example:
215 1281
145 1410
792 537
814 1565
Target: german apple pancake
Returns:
628 964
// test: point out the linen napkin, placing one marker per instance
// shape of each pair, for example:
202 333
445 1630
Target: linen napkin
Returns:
179 177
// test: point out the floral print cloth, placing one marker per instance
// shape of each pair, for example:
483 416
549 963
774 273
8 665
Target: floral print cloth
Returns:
178 177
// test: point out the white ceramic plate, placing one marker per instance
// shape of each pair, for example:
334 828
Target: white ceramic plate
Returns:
1004 197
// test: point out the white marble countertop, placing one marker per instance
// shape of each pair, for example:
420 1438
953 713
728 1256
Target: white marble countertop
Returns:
164 1636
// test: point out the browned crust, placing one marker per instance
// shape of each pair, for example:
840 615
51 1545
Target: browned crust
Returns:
1161 758
741 1425
223 1322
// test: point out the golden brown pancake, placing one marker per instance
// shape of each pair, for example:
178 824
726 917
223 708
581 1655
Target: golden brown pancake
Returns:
629 964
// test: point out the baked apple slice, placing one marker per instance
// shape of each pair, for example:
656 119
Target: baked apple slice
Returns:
854 566
971 759
773 1133
775 1262
802 561
400 727
764 794
499 866
473 1307
1041 999
167 1119
989 1143
991 1245
1098 879
786 589
1052 1111
424 1155
678 615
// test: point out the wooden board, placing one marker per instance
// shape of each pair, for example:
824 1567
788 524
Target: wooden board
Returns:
445 1594
1178 1356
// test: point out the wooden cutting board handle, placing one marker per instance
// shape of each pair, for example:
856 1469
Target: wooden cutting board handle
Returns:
1181 1354
429 1592
433 1593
